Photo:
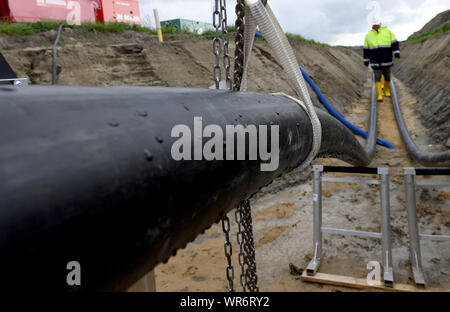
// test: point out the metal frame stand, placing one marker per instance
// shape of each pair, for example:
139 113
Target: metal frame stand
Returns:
413 227
385 234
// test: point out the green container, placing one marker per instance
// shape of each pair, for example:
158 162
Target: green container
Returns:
188 25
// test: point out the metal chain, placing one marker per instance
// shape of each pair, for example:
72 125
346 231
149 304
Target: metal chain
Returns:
240 239
228 253
226 47
239 39
217 44
243 214
249 247
220 21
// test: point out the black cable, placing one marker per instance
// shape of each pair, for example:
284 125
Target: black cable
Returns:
426 159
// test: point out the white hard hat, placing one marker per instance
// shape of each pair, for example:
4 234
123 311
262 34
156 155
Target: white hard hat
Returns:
376 20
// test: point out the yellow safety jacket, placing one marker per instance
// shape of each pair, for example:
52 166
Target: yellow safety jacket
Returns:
379 46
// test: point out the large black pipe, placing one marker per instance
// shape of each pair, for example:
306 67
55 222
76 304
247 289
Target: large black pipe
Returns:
424 158
86 175
6 71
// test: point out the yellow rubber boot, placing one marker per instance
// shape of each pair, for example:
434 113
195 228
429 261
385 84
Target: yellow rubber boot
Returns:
387 88
382 82
379 88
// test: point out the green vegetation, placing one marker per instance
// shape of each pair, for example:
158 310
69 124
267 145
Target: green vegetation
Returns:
27 29
210 33
67 41
299 38
114 28
318 78
24 29
425 36
170 30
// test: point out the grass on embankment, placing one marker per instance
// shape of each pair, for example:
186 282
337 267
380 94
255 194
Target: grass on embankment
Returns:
299 38
27 29
24 29
429 34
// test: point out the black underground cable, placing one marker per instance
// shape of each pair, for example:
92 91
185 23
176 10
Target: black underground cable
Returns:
424 158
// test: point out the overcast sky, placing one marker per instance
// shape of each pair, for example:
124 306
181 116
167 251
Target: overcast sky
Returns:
337 22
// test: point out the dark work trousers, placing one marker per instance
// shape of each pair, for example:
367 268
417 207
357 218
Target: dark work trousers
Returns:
384 70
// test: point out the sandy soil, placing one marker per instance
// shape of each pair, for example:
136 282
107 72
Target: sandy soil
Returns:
283 224
425 66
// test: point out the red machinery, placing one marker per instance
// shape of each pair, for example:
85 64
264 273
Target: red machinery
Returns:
121 11
72 11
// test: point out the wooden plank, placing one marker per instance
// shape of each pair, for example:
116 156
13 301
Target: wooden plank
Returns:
360 283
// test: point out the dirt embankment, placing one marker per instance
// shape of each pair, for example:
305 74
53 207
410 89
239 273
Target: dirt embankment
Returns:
131 58
425 68
437 21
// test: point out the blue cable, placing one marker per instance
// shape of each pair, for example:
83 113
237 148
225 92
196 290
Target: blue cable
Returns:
338 116
335 113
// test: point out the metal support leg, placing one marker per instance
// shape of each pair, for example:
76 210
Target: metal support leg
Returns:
314 265
386 227
413 228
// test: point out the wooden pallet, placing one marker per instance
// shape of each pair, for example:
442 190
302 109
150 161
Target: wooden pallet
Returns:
360 283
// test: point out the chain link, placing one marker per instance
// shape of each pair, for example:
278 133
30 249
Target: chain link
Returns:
239 39
249 247
247 261
221 44
243 214
217 44
226 44
228 253
240 239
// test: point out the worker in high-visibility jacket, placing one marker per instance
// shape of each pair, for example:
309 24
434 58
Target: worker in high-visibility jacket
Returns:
379 45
